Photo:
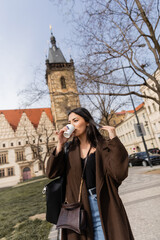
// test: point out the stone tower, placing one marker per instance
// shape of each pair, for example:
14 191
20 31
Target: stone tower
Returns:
61 82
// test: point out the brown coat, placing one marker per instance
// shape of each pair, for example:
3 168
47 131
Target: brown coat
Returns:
111 170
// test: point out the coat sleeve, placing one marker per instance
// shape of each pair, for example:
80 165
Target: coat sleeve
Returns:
55 164
116 160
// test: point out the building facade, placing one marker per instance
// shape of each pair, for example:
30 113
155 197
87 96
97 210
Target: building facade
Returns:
127 133
152 109
22 131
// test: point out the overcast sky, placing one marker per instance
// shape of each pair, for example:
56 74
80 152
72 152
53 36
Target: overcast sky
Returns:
24 37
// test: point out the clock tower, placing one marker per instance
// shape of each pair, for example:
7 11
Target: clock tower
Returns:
60 79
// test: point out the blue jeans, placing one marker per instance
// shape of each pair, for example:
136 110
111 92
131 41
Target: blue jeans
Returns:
97 227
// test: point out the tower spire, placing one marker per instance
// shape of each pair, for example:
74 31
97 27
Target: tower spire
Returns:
52 38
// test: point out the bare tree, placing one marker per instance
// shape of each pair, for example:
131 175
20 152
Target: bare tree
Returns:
111 36
36 90
41 142
115 32
102 107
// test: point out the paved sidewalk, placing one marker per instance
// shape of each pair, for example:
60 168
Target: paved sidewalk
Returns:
140 194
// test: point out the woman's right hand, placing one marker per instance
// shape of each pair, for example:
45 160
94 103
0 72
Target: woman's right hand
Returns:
61 139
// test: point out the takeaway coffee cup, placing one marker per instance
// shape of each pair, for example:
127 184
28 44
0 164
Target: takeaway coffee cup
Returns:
70 129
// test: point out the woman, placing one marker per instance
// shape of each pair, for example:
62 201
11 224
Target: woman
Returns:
107 167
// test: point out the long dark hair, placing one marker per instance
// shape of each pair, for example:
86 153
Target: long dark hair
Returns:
93 135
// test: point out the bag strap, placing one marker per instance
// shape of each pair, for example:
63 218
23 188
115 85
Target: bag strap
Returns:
82 178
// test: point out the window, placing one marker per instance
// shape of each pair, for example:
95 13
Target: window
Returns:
40 166
155 126
35 151
148 130
40 140
19 156
4 144
10 171
154 107
130 135
144 116
11 144
149 109
19 143
3 158
33 141
114 122
2 174
50 149
63 83
53 139
26 142
134 136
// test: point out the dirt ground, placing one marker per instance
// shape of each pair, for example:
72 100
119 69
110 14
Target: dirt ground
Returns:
41 216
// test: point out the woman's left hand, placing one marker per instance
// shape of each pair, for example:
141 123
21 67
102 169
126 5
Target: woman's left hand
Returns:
111 130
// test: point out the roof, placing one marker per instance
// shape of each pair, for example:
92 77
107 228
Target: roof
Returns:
13 116
130 111
55 55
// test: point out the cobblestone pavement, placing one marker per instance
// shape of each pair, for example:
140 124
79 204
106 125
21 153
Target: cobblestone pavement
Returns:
140 194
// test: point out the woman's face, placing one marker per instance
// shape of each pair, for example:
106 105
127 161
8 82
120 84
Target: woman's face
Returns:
79 123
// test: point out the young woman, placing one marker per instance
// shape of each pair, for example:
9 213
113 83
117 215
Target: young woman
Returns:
106 168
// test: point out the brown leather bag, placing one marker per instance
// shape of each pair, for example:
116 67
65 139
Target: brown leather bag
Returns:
72 216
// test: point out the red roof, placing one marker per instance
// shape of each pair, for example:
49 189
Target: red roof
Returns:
130 111
34 114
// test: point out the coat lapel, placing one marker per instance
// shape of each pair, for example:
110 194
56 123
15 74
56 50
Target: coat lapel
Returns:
75 163
99 169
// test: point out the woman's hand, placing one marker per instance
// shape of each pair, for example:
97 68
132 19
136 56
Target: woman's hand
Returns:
61 139
111 131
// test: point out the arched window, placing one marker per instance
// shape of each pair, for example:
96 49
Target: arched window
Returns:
63 82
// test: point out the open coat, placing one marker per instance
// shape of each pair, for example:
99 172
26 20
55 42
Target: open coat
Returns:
111 170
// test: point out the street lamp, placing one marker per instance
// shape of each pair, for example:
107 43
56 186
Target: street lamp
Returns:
138 123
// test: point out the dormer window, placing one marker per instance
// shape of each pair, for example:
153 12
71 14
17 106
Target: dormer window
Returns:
63 83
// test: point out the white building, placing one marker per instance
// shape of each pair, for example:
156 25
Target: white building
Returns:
19 130
127 134
152 109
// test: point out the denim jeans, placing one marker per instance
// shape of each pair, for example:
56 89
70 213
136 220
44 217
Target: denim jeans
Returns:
97 227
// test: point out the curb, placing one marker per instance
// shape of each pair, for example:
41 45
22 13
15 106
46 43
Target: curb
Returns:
54 234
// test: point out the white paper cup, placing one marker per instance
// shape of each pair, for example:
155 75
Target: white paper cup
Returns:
70 129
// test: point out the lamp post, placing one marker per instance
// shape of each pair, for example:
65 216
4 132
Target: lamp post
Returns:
138 123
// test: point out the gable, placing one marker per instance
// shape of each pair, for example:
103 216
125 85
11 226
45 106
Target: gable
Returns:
5 128
13 116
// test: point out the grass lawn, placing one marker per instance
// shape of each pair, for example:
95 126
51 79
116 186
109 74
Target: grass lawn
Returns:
17 205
